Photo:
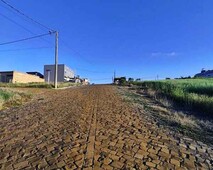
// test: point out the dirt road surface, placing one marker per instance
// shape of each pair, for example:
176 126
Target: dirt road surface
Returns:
92 127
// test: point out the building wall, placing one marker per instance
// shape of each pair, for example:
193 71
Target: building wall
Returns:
64 73
68 73
25 78
6 77
51 70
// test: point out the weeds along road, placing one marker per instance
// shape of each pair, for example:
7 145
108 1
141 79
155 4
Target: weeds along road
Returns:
91 127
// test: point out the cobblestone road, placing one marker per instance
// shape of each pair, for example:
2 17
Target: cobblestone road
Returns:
91 127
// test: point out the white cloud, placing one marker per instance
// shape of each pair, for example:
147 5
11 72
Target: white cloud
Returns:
164 54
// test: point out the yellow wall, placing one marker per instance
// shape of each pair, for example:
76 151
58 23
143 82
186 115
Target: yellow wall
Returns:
25 78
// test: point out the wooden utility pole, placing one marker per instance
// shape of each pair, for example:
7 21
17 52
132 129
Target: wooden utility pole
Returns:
56 59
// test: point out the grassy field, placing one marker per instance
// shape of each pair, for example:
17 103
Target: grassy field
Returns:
193 94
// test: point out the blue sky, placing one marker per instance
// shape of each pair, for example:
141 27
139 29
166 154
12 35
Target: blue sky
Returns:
140 38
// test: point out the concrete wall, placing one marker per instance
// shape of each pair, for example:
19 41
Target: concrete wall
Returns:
25 78
50 69
64 72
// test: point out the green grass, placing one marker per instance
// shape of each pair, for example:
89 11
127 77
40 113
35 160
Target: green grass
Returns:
37 85
194 94
4 95
66 84
27 85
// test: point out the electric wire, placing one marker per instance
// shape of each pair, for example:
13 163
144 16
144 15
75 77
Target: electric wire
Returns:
23 49
74 51
21 13
14 22
25 39
21 16
92 71
4 16
41 25
78 53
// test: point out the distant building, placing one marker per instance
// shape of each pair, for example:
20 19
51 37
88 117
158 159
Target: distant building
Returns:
36 74
64 73
119 80
205 74
18 77
85 81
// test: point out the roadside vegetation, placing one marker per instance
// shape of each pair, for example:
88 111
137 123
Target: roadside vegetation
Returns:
9 98
26 85
191 94
67 84
37 85
165 115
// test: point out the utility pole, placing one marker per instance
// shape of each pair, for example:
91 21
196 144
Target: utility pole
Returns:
56 59
114 76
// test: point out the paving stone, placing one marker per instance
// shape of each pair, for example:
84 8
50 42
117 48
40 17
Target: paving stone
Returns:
92 127
21 165
175 162
117 164
150 164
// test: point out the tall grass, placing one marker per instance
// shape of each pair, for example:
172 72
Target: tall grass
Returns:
4 95
194 94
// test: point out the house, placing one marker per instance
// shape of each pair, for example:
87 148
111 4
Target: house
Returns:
18 77
64 73
205 74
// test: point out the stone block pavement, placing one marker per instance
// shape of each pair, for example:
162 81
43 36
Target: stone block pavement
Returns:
92 127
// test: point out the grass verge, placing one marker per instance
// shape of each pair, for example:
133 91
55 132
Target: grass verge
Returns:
37 85
192 94
168 117
10 98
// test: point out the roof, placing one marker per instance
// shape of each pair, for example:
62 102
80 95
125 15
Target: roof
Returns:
54 65
36 74
6 71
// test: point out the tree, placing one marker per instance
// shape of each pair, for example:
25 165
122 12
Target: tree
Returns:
123 81
130 79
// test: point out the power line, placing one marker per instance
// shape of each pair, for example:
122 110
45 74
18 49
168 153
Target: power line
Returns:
92 71
21 13
75 52
14 22
20 49
40 24
4 16
25 39
20 16
78 53
100 79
